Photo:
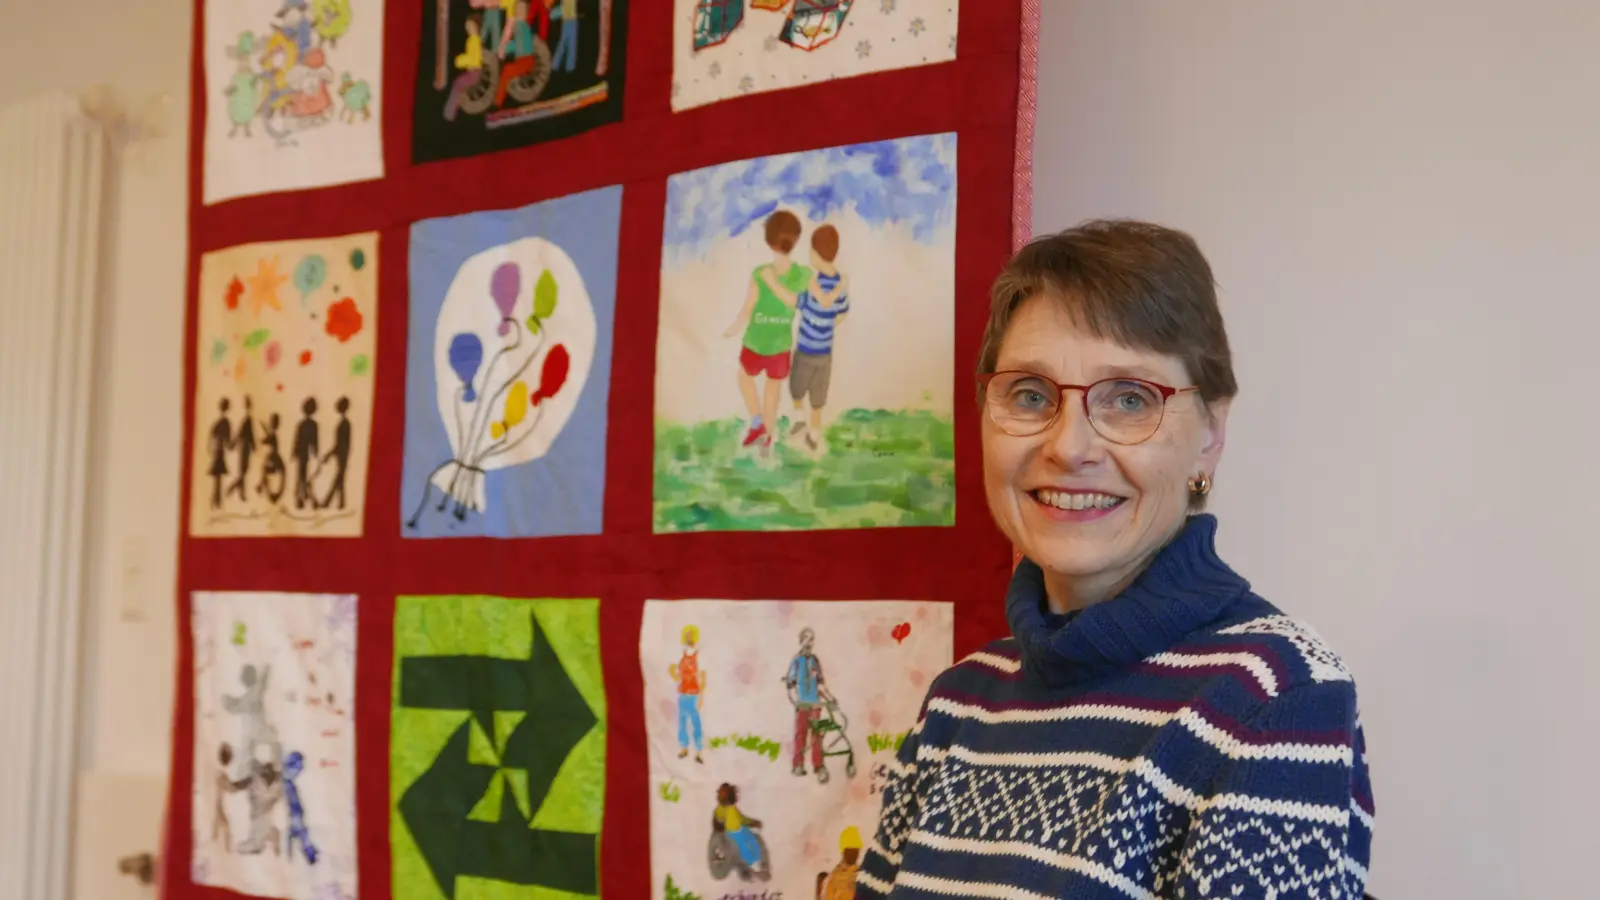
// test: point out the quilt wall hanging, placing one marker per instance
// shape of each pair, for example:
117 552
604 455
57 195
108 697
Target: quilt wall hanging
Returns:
582 485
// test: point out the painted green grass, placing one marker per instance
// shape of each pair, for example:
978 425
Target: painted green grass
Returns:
880 469
753 742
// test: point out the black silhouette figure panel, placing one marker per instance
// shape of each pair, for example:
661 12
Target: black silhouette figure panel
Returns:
217 445
273 474
304 454
244 441
339 455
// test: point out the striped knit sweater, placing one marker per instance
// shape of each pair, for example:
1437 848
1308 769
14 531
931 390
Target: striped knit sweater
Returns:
1181 740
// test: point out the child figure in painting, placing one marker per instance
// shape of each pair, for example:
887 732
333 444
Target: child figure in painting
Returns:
729 821
470 62
768 324
250 706
265 789
566 55
293 765
225 786
841 883
821 308
516 48
691 692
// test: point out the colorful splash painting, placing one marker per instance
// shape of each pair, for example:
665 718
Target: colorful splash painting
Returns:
804 356
498 766
283 388
292 96
497 74
730 48
770 727
509 370
274 744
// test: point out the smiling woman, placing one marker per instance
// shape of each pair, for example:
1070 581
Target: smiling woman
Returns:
1151 728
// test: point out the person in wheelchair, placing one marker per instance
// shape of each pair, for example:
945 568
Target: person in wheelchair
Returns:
734 842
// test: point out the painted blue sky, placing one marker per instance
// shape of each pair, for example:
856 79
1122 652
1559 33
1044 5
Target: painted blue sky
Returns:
909 180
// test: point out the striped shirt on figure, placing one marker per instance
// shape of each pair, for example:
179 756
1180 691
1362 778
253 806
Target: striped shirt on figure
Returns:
1182 740
817 321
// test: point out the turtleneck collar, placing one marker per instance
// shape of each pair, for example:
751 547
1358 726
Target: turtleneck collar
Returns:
1184 588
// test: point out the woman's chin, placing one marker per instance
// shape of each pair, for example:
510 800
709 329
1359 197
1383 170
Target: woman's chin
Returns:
1071 559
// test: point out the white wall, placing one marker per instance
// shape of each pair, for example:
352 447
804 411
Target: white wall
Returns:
1399 200
142 49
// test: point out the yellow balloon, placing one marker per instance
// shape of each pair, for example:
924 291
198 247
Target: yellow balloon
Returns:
496 429
516 404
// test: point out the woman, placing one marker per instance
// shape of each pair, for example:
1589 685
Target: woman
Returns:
1152 728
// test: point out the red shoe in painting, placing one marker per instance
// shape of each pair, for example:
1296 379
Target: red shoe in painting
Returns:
755 434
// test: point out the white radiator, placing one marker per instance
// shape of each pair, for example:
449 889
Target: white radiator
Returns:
52 176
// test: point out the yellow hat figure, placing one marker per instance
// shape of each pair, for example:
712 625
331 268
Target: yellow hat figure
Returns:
849 839
691 635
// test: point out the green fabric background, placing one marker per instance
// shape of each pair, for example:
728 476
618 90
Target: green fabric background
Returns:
497 627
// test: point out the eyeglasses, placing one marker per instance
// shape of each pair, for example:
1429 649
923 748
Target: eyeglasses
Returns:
1121 410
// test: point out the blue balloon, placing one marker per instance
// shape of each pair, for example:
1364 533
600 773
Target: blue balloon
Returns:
466 355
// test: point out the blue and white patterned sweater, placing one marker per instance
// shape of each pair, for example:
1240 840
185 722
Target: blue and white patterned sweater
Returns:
1184 739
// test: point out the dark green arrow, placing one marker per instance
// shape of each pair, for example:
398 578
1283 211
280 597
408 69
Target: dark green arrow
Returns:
436 805
508 850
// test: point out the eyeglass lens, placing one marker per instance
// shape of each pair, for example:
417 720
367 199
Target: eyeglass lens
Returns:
1123 411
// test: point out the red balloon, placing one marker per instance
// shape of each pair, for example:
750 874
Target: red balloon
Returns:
556 364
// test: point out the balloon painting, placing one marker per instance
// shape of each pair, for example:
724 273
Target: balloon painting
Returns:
283 389
510 357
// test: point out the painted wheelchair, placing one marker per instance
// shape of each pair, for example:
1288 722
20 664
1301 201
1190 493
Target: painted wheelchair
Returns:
523 87
723 856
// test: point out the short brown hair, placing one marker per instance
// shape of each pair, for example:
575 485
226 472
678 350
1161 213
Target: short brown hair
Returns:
1139 284
825 241
783 230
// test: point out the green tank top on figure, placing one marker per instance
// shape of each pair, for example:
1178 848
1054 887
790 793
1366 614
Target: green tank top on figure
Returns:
771 328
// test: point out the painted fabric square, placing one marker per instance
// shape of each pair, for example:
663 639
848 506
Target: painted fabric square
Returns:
497 74
771 725
804 354
274 744
509 369
497 767
292 95
720 49
283 388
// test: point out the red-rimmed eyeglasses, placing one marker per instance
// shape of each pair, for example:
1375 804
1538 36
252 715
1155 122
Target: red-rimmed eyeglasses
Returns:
1121 410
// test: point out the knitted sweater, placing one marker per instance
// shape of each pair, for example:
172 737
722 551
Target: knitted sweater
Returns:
1183 739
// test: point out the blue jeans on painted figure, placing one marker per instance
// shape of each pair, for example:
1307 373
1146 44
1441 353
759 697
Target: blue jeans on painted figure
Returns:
745 841
689 717
566 47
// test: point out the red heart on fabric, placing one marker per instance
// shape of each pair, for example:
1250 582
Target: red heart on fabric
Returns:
901 632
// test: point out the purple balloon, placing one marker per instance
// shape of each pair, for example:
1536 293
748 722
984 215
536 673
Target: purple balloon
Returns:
504 286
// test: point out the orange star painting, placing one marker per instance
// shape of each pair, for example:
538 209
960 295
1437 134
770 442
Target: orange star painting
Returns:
264 285
283 388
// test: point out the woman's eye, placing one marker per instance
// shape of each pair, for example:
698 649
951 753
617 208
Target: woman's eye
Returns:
1030 399
1130 402
1125 399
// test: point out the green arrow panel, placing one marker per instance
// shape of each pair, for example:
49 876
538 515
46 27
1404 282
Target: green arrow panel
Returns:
497 764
